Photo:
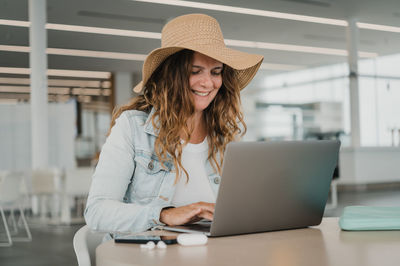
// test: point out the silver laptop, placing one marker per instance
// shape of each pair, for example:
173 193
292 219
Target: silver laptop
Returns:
268 186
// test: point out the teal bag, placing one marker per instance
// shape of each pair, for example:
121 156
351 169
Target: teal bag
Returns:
363 218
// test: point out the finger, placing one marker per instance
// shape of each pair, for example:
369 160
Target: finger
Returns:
206 215
196 211
193 214
210 209
206 203
207 206
181 215
194 219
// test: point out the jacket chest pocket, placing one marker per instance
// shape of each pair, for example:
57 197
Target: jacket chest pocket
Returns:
148 177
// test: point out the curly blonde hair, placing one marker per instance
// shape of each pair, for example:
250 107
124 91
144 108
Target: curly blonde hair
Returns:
169 93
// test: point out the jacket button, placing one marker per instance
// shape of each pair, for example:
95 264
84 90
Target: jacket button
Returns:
150 165
217 180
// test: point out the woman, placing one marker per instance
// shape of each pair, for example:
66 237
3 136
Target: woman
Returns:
162 160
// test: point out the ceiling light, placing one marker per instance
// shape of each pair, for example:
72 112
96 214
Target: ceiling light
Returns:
286 47
15 70
27 89
17 23
75 28
74 83
85 91
57 82
15 48
96 54
270 66
18 81
378 27
9 101
248 11
58 90
76 52
105 31
59 72
79 73
294 48
15 89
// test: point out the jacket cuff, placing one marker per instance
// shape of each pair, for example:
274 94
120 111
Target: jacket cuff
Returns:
155 214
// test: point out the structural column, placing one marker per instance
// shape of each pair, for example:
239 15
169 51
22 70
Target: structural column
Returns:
352 48
38 68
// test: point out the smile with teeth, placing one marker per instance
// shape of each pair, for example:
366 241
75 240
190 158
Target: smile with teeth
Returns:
201 93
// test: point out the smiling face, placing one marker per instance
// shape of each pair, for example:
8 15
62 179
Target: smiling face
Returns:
205 80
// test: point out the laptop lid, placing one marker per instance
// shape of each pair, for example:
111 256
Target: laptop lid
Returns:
269 186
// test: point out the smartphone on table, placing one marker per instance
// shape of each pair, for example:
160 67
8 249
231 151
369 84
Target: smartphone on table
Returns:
143 239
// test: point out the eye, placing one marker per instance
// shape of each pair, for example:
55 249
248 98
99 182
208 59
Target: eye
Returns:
216 73
195 72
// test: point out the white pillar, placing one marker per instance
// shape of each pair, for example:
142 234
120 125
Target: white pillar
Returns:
123 87
352 48
38 67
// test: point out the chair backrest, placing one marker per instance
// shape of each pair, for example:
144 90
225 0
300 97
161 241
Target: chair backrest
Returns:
44 181
10 186
85 243
78 180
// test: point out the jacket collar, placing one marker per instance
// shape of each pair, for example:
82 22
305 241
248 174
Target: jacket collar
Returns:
148 128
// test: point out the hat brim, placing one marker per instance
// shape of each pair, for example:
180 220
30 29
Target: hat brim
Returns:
245 65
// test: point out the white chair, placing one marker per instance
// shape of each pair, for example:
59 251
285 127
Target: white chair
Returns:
11 186
75 192
334 201
46 187
85 243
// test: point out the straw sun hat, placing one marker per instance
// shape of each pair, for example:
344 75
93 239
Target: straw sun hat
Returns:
200 33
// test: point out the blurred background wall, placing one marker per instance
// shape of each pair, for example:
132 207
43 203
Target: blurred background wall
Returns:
315 51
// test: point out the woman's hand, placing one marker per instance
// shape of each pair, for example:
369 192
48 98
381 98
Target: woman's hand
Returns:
187 214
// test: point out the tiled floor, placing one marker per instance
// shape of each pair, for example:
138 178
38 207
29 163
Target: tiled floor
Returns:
52 245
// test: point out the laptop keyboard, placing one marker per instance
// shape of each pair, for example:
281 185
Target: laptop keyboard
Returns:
200 226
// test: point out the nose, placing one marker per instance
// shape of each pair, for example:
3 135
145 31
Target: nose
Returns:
206 81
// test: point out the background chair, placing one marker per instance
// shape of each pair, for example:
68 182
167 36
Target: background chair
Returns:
46 191
85 243
11 186
75 192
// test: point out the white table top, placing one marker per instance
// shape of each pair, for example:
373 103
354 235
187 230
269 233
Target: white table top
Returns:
322 245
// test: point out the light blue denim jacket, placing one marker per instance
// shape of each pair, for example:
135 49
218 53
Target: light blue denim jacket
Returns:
130 186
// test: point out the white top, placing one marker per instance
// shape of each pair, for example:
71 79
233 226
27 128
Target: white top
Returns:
194 157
